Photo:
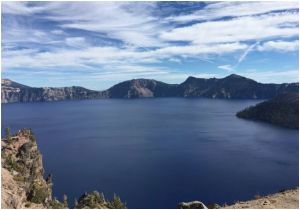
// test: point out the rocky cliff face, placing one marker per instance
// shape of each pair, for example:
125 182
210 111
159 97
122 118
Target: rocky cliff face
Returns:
231 87
12 93
23 183
142 88
282 110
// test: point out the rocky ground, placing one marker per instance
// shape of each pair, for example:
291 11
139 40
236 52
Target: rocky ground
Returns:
288 199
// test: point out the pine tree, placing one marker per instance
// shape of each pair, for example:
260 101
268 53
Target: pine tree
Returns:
8 135
116 203
102 198
49 179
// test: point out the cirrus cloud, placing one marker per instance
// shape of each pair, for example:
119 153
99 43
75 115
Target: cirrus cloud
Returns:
96 37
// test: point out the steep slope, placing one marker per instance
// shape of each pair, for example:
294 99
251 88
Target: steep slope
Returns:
196 87
283 110
12 84
142 88
23 183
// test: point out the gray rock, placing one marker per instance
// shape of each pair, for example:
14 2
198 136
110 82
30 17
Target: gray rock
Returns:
191 205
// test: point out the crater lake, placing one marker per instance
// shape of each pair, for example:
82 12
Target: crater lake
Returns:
155 153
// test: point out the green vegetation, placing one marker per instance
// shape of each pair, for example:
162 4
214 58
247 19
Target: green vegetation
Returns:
11 164
55 204
24 158
116 203
49 179
38 194
32 138
91 200
27 205
95 200
282 110
8 135
19 178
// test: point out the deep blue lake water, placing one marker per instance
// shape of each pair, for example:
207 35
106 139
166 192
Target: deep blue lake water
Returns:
155 153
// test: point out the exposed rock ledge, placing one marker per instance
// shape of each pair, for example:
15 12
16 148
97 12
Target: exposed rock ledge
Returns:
23 183
287 199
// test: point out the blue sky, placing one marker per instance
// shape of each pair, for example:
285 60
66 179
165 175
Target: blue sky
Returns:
98 44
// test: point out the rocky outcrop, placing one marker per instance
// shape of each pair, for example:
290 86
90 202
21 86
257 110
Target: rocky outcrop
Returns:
191 205
286 199
23 182
283 110
231 87
95 200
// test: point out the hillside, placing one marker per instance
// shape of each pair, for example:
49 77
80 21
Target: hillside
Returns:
230 87
283 110
142 88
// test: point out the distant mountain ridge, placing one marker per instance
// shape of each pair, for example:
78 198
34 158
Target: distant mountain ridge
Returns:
230 87
12 92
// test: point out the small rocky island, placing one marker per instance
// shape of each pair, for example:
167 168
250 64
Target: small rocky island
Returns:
23 182
282 110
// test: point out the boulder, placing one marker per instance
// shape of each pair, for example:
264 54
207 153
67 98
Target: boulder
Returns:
191 205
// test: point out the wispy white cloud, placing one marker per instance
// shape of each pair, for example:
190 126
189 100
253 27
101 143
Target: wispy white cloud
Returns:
57 32
226 67
85 56
21 8
281 46
124 38
236 30
217 10
76 42
127 21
